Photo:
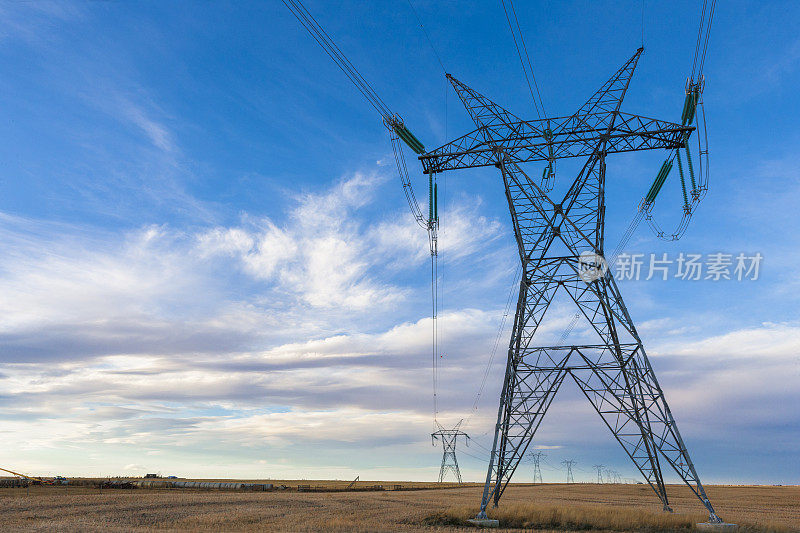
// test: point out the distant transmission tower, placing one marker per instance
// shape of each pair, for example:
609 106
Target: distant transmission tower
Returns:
569 464
449 438
599 473
537 470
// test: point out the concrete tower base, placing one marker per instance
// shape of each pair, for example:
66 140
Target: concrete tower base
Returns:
484 522
716 526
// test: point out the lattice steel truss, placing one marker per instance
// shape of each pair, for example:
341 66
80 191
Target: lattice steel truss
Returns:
558 240
537 467
449 438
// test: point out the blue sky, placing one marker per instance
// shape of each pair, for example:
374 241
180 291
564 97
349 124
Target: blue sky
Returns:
209 268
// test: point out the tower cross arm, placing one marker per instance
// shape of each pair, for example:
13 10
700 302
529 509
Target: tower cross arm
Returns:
527 141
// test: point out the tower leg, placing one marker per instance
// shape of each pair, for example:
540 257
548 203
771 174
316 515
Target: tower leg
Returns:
526 396
630 401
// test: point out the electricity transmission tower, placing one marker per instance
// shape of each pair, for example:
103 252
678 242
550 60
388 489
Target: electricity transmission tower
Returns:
449 438
537 470
599 472
560 241
569 464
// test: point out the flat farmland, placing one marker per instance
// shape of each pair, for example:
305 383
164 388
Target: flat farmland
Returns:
548 507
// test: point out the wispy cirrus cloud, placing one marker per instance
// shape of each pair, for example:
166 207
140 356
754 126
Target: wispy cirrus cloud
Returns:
331 257
155 298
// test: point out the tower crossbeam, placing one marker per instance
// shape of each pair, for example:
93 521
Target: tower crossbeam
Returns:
525 141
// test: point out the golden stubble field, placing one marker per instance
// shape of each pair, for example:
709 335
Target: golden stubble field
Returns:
611 507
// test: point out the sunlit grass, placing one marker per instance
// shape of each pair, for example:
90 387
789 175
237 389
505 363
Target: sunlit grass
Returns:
585 518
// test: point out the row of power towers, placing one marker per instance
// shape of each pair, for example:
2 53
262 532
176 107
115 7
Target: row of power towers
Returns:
449 439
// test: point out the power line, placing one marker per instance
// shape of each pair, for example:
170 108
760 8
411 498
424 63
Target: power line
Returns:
693 112
642 23
481 446
538 104
482 459
435 326
433 223
708 34
528 57
398 131
551 466
702 42
324 40
428 37
497 338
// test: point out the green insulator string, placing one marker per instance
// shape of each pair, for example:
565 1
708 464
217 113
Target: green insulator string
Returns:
548 135
690 106
436 202
409 138
689 164
430 198
661 177
683 181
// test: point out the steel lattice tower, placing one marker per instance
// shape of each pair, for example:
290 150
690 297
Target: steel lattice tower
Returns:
537 469
569 464
560 243
449 438
599 473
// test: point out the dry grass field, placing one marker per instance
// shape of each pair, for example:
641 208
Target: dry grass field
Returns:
550 507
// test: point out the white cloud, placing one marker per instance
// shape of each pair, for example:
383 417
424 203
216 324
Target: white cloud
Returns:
322 253
331 257
136 342
157 132
261 248
63 279
345 425
130 340
769 341
462 233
